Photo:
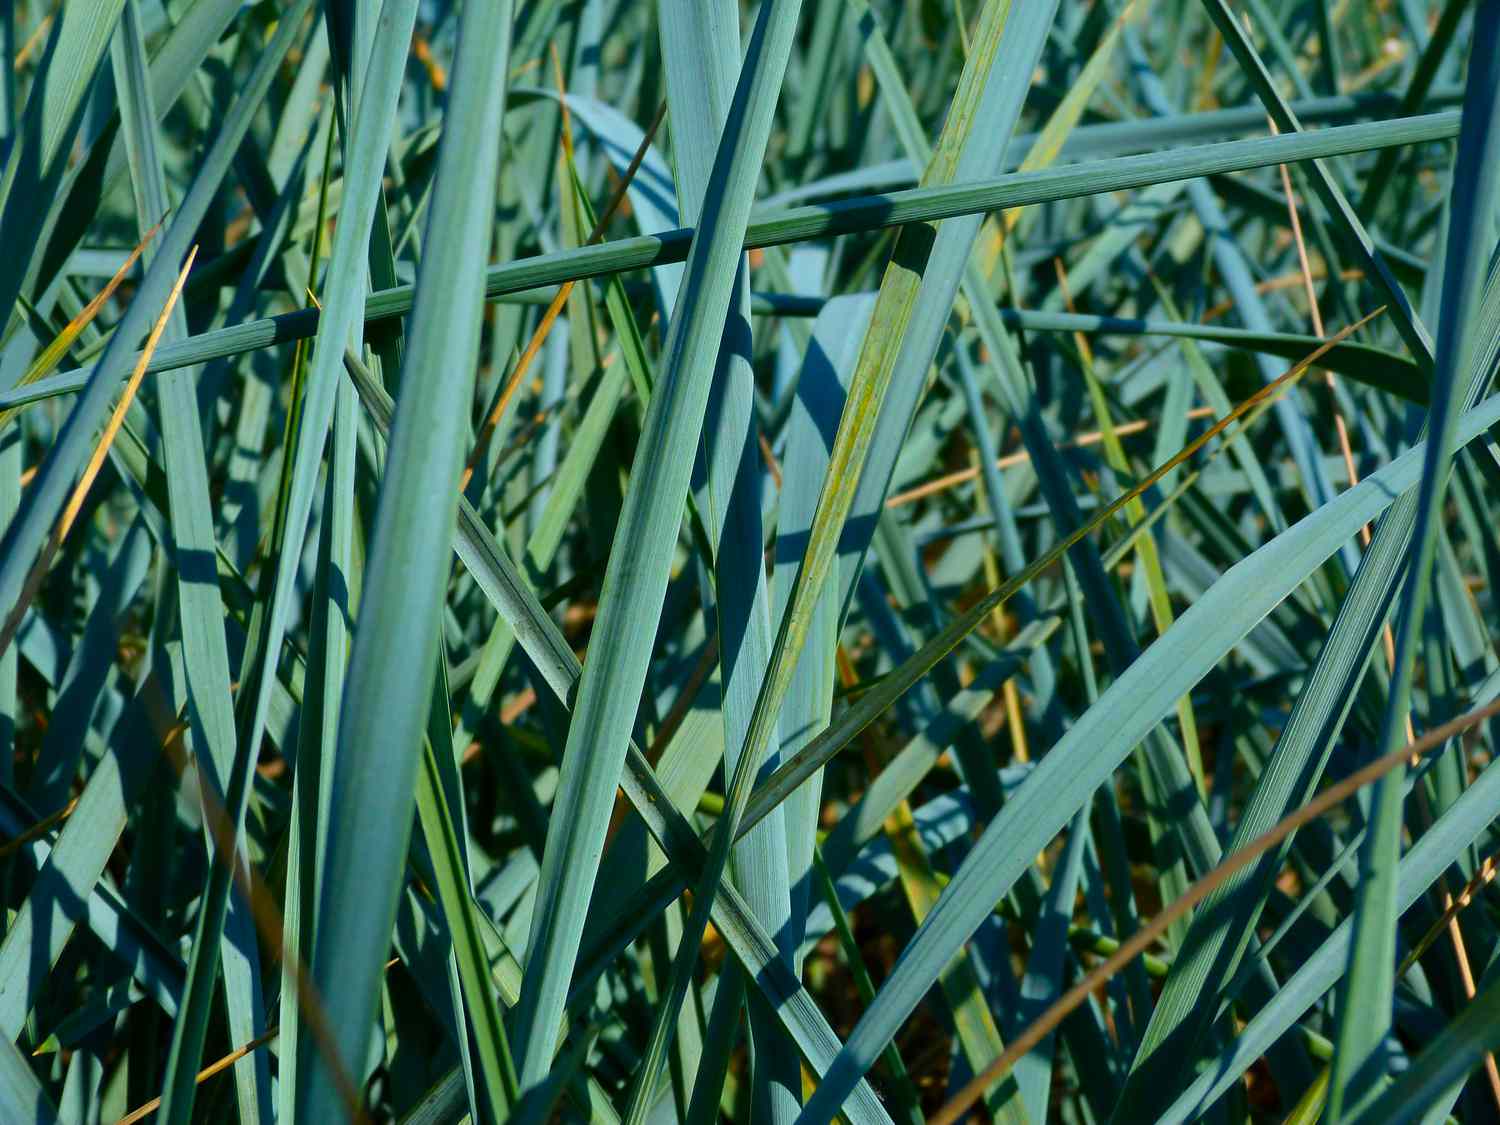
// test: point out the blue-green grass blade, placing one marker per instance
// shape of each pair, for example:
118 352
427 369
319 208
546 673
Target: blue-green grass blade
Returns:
333 610
61 895
700 49
22 1098
544 643
443 828
1437 1074
915 299
808 706
1234 268
1464 822
386 699
367 143
1043 980
1341 214
635 579
199 608
103 163
1218 934
1365 1010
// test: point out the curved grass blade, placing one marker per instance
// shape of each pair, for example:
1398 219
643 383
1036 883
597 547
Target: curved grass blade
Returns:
1106 733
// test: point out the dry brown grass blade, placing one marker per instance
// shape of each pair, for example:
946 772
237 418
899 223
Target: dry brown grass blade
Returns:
38 830
1276 284
1011 460
1451 910
263 908
218 1066
1341 428
1260 398
1243 413
33 41
437 74
1449 922
52 354
1325 802
96 462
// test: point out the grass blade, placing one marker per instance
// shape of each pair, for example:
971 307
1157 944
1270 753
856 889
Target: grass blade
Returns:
385 704
1358 1065
611 684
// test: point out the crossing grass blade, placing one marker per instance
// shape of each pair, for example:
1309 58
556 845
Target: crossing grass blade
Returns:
367 140
1464 822
1375 771
858 214
42 500
1438 1073
701 54
1024 827
200 609
1205 965
544 643
1413 332
612 680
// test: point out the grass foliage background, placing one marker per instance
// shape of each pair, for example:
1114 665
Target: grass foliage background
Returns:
975 560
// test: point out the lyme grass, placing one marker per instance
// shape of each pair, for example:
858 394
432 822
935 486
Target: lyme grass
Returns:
774 561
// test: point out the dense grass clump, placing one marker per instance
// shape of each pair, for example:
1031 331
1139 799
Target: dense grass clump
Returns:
975 532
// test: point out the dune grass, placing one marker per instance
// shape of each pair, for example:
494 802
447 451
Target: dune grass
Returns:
880 560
